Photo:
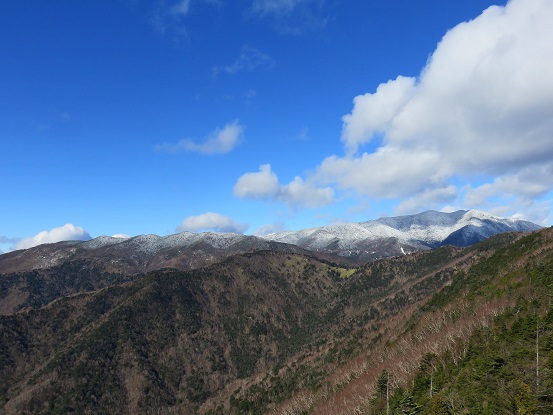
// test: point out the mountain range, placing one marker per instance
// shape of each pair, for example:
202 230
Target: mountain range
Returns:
354 242
400 235
265 326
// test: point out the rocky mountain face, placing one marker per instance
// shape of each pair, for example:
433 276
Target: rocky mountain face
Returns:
401 235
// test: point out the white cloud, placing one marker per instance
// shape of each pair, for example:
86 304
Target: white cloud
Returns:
220 141
120 235
250 58
481 108
300 193
259 185
429 199
210 221
373 113
528 184
265 185
67 232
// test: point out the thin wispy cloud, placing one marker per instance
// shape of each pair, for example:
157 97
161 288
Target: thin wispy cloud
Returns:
276 6
293 16
249 59
303 134
220 141
181 8
170 18
8 240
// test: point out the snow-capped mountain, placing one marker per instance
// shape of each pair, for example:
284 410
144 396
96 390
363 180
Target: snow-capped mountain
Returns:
357 242
402 234
141 253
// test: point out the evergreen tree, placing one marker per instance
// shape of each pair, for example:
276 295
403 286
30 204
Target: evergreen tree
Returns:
439 407
525 401
409 406
382 383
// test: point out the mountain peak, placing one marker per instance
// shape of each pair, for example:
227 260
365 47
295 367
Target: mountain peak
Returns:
399 235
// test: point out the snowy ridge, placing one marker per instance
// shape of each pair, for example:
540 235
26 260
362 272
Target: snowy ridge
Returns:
359 242
152 244
342 235
102 241
428 229
141 253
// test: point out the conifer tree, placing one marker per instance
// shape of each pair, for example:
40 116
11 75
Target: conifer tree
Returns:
382 383
525 401
409 406
439 407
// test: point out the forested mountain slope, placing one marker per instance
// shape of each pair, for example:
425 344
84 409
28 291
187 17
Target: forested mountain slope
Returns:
482 345
287 334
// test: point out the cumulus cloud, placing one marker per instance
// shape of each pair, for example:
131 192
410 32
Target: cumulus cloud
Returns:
429 199
260 185
250 58
264 184
120 235
530 183
67 232
210 221
300 193
480 108
383 173
373 113
220 141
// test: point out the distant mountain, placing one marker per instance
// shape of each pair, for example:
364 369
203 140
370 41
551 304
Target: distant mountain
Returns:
356 242
141 253
37 276
400 235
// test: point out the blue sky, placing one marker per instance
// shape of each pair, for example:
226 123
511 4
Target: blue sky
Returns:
133 117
